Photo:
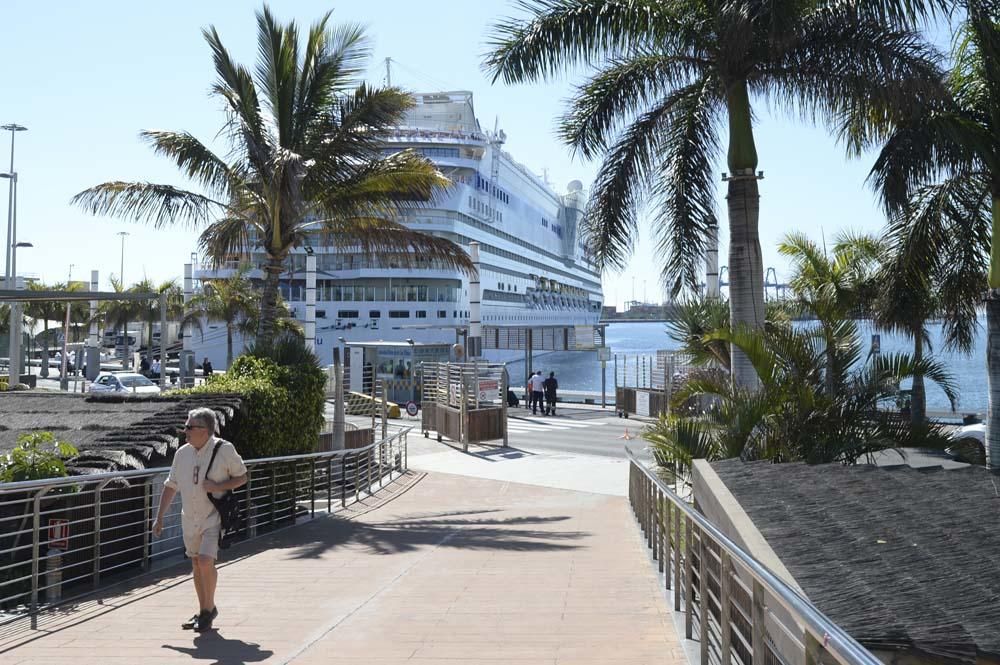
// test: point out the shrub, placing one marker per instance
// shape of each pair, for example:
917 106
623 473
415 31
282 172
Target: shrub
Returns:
38 455
282 410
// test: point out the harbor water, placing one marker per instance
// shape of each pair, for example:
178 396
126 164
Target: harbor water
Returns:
581 371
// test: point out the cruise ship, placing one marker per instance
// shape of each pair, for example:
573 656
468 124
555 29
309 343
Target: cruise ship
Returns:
535 271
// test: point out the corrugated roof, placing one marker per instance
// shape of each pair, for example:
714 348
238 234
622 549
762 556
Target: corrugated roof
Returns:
901 558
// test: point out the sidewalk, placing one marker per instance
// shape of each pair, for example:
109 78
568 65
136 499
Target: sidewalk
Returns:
436 568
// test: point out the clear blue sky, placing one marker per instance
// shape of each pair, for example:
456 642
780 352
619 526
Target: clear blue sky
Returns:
85 78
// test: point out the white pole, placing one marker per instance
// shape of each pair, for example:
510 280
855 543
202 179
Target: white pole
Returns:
310 325
186 370
188 294
93 343
475 341
15 307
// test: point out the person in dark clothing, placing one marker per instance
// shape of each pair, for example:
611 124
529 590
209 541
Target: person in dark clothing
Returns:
144 366
206 367
512 399
550 386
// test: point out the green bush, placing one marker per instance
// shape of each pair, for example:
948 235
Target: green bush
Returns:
282 412
38 455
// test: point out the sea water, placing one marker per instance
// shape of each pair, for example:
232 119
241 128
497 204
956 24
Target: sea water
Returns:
581 371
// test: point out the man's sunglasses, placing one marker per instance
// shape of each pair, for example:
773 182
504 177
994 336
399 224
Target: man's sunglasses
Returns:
187 427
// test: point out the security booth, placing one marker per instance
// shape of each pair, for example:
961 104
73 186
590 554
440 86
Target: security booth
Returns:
465 402
393 365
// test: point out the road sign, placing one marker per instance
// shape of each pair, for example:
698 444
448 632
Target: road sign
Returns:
59 534
604 353
411 408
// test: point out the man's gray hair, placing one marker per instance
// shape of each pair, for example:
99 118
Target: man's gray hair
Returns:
205 417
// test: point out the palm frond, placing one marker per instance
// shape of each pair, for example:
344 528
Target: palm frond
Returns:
195 160
163 205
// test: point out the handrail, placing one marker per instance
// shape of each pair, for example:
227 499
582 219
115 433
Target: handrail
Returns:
828 634
115 475
53 543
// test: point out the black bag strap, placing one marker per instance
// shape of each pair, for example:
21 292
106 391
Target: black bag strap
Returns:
215 451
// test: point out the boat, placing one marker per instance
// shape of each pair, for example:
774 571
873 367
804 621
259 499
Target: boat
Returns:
535 268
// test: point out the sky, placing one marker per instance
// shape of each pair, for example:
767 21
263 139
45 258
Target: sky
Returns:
86 78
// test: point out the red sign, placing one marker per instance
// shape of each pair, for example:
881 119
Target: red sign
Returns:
59 534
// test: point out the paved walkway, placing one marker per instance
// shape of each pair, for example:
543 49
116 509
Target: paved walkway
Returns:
437 568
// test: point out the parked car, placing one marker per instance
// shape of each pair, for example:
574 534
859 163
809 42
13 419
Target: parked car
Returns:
123 382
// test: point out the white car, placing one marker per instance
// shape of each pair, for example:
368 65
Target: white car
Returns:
977 432
123 382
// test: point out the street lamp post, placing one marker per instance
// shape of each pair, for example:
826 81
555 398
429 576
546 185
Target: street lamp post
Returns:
14 350
121 278
121 269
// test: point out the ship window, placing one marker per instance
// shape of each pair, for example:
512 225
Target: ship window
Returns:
421 314
442 314
399 314
347 314
374 314
545 223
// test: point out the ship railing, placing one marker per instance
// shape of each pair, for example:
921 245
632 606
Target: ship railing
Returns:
734 607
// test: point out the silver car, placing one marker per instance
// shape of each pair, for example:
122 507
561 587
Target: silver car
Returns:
123 382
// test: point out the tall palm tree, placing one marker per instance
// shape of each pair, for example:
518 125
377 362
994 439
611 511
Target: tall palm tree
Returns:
231 300
939 179
674 75
304 158
115 314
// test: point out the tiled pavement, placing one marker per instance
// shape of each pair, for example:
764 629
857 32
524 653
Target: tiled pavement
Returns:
435 569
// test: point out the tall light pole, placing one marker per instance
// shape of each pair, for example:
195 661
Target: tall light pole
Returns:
10 258
121 270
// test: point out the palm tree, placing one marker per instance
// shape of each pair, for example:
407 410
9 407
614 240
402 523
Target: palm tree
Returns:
305 158
150 309
231 300
117 314
46 311
939 179
792 416
834 289
675 75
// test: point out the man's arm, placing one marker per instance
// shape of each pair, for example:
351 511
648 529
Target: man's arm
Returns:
165 498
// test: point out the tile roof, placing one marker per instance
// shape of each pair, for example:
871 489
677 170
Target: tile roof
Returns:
901 558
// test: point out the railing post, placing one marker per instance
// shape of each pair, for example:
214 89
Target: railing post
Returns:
677 558
357 479
757 624
343 481
147 506
381 454
97 531
703 604
688 581
725 609
274 489
658 543
248 528
312 489
36 527
329 485
668 508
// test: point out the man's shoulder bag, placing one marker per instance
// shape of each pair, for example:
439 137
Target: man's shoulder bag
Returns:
228 506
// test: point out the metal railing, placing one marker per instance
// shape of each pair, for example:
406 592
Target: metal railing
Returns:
102 528
737 609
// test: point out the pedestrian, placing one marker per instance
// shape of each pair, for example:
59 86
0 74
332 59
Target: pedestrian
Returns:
144 366
200 521
154 369
535 384
206 367
550 386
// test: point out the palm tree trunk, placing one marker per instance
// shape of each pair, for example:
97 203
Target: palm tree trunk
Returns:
993 342
746 265
269 300
918 396
229 346
43 371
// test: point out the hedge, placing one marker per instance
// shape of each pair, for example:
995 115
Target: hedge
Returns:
282 410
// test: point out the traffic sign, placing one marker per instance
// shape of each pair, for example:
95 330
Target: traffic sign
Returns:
411 408
59 534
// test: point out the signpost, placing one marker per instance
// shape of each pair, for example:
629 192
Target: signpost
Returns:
489 390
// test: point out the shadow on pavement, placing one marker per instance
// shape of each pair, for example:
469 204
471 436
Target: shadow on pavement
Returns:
216 648
454 530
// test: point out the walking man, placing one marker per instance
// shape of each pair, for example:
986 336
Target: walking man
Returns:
550 385
200 522
535 385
